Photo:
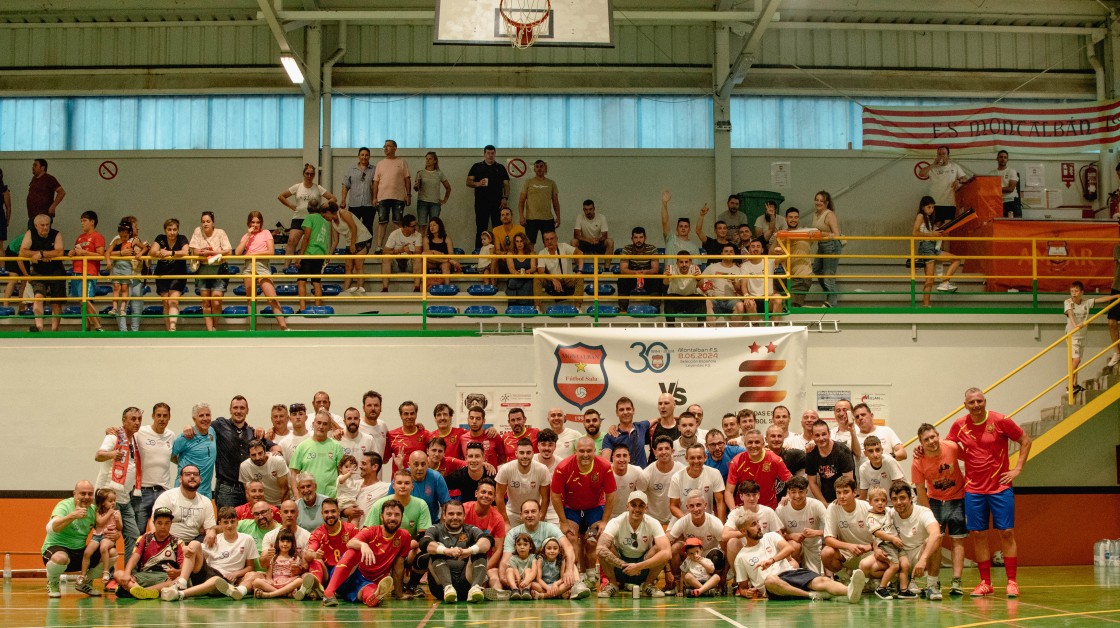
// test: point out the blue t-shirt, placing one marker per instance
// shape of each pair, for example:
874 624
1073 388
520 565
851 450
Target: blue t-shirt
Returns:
202 452
433 490
635 441
724 465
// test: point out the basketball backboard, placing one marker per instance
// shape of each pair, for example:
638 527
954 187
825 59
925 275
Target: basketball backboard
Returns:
569 23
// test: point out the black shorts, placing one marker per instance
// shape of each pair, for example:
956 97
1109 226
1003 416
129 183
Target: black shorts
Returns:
75 556
1114 313
297 224
636 579
593 249
53 289
12 266
171 285
311 267
204 574
796 578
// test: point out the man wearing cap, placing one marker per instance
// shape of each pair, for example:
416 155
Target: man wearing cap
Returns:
633 549
67 531
157 562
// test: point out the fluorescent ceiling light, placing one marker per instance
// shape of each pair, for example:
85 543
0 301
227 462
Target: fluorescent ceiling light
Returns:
292 67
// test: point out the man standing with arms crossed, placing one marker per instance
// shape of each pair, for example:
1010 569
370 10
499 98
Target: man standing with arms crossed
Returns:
983 437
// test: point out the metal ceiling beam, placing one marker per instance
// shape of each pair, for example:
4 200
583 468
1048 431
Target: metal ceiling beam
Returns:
750 48
952 28
281 37
424 16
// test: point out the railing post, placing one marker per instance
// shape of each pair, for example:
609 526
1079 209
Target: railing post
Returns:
914 277
253 295
423 292
85 297
1034 273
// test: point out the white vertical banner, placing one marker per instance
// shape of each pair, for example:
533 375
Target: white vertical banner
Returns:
722 369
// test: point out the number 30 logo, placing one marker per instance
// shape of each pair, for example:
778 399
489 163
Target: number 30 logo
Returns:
654 357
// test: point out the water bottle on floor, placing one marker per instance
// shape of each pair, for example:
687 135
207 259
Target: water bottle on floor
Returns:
1101 552
1114 553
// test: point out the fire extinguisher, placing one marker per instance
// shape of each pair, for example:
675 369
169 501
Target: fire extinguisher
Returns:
1089 181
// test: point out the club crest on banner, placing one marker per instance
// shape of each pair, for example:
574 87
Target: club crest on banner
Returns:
580 378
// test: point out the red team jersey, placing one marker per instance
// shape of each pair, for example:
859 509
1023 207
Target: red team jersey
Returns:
385 551
492 524
768 472
510 441
583 491
448 466
397 442
245 512
451 438
332 545
494 447
154 554
984 450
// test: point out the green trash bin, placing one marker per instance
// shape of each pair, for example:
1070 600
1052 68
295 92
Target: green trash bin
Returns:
753 203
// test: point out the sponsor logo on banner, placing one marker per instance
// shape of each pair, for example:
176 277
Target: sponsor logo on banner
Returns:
581 376
761 375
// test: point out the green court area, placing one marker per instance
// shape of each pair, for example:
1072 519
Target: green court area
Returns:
1051 596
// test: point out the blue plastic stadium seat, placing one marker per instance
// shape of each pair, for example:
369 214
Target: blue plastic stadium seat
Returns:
481 310
3 272
469 269
191 310
152 310
641 310
482 290
560 311
661 251
105 310
317 310
291 270
442 311
279 251
147 289
342 251
618 251
616 269
443 290
234 269
458 251
284 310
605 289
103 290
70 272
7 311
334 269
282 290
104 272
235 310
332 289
27 311
239 290
72 310
603 310
521 310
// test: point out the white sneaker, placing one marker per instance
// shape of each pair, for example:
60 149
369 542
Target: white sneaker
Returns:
306 587
580 591
449 595
351 290
361 290
475 595
607 591
651 591
1114 360
855 587
170 594
820 596
947 286
54 589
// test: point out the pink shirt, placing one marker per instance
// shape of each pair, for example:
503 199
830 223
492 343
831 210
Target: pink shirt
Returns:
261 244
391 176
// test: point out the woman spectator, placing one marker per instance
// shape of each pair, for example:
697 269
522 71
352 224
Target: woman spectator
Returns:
170 249
929 251
428 181
208 241
436 242
258 241
523 263
128 249
824 219
305 191
357 240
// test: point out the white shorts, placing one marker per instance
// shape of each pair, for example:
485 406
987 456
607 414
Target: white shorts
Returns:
1075 346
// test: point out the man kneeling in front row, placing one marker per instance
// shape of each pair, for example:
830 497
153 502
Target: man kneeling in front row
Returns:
762 570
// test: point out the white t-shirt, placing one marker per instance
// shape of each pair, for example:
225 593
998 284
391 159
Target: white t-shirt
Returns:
566 443
748 560
707 485
811 517
155 456
268 474
633 542
289 443
105 473
756 286
304 196
870 477
556 265
593 228
367 495
398 239
795 441
682 285
721 287
941 180
555 462
302 537
709 532
768 520
380 435
657 489
521 487
632 480
227 556
1080 314
849 527
912 530
1007 175
885 435
357 446
192 516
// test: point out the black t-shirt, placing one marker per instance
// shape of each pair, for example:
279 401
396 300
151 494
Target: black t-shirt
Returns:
461 481
660 430
712 246
171 266
491 194
830 467
464 537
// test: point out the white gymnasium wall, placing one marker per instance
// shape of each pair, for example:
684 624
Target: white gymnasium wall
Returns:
874 194
60 394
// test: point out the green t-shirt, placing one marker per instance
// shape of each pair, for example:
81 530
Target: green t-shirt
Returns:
417 518
250 527
320 460
74 535
320 238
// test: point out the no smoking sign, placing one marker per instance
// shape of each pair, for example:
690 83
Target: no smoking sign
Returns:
516 167
107 170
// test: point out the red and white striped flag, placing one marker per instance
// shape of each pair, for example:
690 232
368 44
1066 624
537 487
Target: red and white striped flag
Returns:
1018 128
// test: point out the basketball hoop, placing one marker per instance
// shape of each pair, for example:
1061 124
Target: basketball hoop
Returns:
523 19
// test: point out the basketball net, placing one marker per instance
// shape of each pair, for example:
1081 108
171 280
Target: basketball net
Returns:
523 18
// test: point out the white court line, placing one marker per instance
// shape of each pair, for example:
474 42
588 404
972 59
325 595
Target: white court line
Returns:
723 617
